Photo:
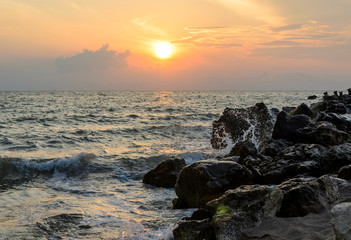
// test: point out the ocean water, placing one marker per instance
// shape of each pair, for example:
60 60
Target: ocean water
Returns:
71 163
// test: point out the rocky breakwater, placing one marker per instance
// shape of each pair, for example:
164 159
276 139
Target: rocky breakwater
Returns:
287 176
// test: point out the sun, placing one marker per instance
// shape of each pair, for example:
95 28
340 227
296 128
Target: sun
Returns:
163 49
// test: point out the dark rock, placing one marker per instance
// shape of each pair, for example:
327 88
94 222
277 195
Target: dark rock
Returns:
286 126
340 122
239 124
345 172
274 147
339 108
319 107
200 214
194 230
324 133
304 196
300 159
165 174
341 220
312 97
242 208
243 149
206 180
337 157
302 109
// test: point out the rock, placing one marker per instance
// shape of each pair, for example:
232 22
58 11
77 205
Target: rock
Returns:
206 180
303 196
324 133
341 220
286 126
345 172
194 230
300 159
302 109
312 97
239 124
341 123
339 108
274 147
319 106
165 174
242 208
243 149
337 157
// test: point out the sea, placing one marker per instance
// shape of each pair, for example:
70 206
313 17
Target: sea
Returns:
72 162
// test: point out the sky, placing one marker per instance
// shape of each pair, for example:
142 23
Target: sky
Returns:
217 45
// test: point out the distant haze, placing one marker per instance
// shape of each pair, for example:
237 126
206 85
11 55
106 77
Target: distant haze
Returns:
218 44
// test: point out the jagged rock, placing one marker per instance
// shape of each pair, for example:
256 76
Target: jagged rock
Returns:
243 149
239 124
206 180
324 133
302 109
274 147
166 173
339 121
345 172
286 126
305 195
319 106
341 220
339 108
300 159
337 157
194 230
242 208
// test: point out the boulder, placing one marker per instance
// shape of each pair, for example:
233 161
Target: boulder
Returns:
324 133
302 109
242 208
206 180
312 97
286 126
274 147
337 157
341 220
339 108
243 149
340 122
303 196
165 174
345 172
240 124
300 159
194 230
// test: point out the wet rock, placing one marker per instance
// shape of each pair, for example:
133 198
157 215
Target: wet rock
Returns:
337 157
274 147
324 133
339 108
242 208
240 124
319 106
303 196
243 149
341 220
206 180
345 172
165 174
312 97
339 121
302 109
286 126
194 230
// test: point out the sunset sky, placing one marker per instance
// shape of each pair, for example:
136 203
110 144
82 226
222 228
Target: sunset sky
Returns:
217 44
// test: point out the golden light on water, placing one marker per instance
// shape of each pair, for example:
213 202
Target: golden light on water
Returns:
163 49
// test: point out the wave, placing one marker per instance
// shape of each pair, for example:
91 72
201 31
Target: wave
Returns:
16 167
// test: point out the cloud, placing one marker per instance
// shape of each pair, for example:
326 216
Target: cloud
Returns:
92 61
287 27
